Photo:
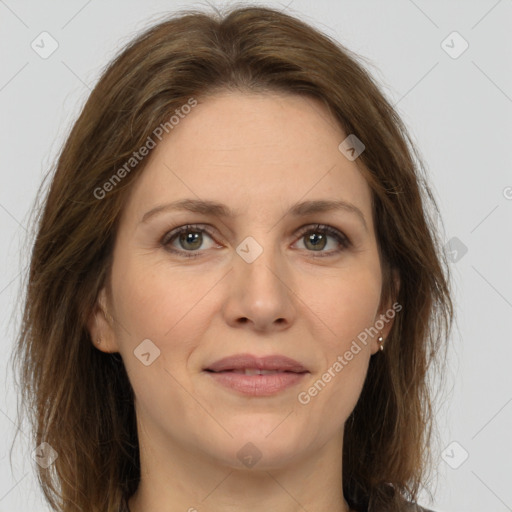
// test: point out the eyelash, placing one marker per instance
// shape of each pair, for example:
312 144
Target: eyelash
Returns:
342 239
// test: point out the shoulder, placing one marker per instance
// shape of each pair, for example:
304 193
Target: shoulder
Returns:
406 506
414 507
124 505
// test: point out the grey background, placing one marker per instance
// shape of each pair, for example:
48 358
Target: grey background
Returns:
458 111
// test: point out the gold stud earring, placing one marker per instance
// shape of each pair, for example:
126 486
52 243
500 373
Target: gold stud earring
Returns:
380 339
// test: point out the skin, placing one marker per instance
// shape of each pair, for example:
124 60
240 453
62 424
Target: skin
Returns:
258 154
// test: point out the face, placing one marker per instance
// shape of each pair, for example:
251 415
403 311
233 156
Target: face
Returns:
264 281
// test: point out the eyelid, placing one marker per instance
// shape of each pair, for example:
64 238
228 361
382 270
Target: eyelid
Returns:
169 234
342 239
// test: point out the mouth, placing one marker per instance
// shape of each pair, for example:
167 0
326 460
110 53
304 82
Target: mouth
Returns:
242 363
253 371
253 376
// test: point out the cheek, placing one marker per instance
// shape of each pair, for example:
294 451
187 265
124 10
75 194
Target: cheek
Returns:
343 304
155 301
163 306
345 312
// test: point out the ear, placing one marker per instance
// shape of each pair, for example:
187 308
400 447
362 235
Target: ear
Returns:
387 313
101 325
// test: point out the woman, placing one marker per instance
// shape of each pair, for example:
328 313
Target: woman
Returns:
236 291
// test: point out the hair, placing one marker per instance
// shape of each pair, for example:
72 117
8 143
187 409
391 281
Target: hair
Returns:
79 399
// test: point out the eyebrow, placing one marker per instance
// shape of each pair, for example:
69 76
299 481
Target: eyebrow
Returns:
220 210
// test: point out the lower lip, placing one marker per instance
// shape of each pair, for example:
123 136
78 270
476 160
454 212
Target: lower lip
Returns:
258 385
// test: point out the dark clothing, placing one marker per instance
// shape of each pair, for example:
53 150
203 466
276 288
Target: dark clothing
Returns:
410 507
416 508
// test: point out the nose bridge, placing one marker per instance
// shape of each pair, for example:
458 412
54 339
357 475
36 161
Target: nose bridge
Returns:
260 259
259 291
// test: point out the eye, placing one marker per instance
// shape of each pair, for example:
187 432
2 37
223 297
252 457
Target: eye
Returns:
311 238
190 239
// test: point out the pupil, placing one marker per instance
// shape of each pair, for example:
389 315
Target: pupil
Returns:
318 238
191 238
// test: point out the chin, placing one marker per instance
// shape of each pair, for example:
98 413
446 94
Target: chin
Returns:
257 450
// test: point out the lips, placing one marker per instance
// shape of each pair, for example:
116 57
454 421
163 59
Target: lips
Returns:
254 376
251 365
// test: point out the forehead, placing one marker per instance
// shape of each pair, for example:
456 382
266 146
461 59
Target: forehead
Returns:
256 153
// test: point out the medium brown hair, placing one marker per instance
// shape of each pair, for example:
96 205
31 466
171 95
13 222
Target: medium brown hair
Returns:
79 399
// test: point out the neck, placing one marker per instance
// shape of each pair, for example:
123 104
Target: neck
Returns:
177 479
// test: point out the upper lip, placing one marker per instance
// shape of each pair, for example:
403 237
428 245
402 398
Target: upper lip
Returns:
248 361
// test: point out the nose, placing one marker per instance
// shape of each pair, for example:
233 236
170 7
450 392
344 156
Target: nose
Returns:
260 295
